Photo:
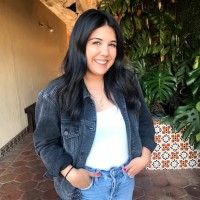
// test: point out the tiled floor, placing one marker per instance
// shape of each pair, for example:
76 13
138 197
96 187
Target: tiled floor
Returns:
21 178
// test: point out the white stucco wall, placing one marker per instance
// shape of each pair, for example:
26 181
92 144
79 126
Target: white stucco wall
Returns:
30 56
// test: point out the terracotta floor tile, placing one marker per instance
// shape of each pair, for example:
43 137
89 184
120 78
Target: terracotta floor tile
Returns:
187 173
28 186
4 165
193 190
12 195
22 178
50 194
153 192
138 193
30 157
9 170
21 145
32 195
45 185
174 192
18 163
38 169
143 174
7 178
21 170
9 158
166 198
189 198
9 187
20 158
172 173
179 182
140 182
33 163
194 180
14 152
2 170
1 194
27 152
38 177
145 198
160 182
157 174
197 172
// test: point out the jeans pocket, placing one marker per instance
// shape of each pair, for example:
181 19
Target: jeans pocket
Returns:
129 176
91 184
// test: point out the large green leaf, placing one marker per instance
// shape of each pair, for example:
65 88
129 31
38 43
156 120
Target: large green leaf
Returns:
159 85
137 22
187 119
127 26
156 48
140 67
198 137
196 63
194 80
193 76
198 106
164 51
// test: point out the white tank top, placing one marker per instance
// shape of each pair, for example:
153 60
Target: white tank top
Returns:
110 147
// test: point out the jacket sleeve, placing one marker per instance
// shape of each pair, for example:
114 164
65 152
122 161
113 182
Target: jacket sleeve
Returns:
146 126
47 136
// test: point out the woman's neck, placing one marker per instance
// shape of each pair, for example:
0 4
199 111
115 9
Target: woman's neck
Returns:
95 87
94 84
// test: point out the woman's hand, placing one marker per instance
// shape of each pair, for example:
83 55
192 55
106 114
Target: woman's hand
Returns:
138 164
80 178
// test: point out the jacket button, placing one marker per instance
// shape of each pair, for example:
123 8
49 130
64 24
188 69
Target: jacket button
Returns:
91 128
82 153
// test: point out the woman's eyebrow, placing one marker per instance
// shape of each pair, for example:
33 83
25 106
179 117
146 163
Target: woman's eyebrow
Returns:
101 39
95 38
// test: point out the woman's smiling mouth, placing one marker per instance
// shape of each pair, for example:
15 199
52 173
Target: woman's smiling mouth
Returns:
101 62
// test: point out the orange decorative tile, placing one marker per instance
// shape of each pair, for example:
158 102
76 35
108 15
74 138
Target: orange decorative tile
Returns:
171 151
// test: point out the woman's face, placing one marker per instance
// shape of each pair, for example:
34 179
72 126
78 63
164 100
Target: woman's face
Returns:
101 50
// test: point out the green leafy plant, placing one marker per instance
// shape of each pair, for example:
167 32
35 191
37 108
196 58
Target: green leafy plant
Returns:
159 85
194 79
165 60
187 117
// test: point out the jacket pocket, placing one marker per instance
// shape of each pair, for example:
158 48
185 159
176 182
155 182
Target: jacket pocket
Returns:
65 190
71 137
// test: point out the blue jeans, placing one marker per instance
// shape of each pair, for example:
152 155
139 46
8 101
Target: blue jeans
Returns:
111 185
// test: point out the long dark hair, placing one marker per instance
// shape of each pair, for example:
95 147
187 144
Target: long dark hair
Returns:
75 65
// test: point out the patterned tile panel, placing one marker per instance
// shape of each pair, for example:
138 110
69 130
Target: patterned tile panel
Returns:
171 151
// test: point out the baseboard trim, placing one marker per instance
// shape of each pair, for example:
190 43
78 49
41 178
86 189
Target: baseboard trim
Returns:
12 143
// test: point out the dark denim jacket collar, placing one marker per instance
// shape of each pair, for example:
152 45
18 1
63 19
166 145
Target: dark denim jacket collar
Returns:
85 92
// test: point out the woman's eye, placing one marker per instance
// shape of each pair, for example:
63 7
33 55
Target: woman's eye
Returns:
97 42
113 45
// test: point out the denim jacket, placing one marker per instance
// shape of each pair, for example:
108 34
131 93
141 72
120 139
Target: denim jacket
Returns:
60 141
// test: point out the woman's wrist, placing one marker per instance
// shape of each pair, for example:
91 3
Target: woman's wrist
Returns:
67 170
146 155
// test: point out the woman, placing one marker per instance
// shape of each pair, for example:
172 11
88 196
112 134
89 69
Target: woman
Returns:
94 132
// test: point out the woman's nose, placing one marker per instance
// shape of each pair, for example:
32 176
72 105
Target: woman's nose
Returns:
105 50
